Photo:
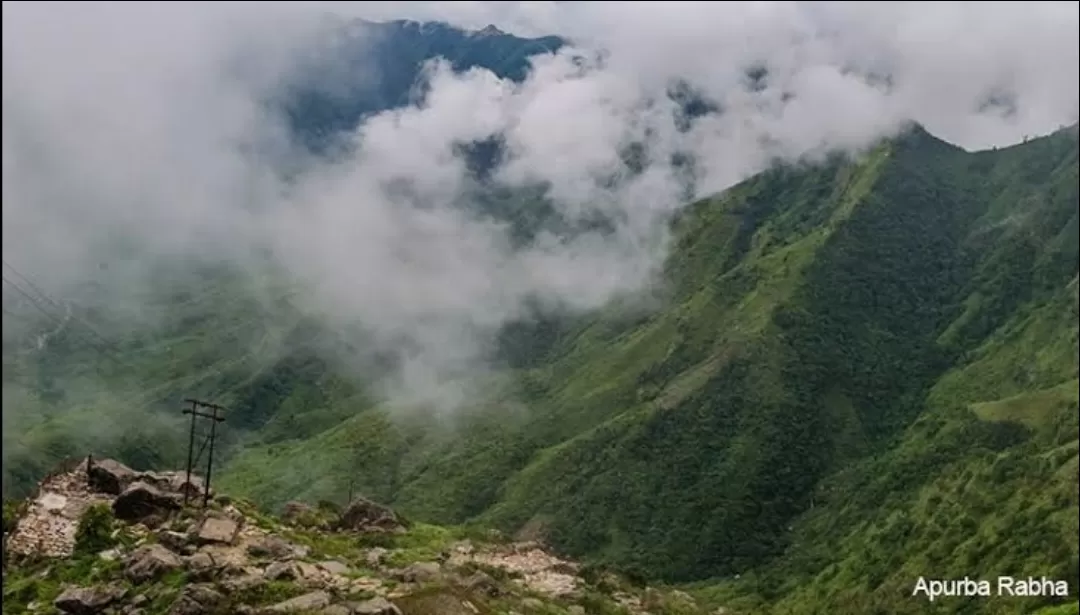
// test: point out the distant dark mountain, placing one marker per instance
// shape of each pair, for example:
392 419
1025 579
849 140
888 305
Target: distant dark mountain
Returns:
365 67
362 67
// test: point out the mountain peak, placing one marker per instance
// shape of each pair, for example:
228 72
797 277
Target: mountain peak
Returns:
489 30
915 136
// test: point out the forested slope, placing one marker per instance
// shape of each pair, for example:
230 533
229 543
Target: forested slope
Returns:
865 371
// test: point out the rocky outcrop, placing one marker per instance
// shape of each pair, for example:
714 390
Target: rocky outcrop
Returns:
275 547
196 600
235 563
175 482
142 500
280 571
201 566
180 542
110 476
300 604
335 567
48 525
88 600
363 515
376 557
149 562
217 530
375 606
528 563
420 572
482 583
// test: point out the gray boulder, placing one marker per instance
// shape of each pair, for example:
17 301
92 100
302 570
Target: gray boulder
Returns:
375 606
280 571
196 600
217 530
149 562
275 547
88 600
201 566
141 500
308 602
110 476
364 515
420 572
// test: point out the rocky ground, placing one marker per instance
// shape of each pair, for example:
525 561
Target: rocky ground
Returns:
102 538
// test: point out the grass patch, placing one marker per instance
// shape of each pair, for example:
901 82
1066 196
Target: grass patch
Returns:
42 581
1035 409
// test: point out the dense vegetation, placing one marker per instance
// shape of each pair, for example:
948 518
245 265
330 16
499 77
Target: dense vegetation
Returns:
867 369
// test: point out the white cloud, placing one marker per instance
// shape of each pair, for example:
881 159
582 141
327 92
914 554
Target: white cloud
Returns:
137 120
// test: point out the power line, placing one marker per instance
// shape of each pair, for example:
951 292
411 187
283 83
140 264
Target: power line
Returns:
107 351
30 283
33 300
16 315
67 304
39 303
202 447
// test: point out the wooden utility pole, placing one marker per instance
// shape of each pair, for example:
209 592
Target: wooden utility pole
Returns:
215 418
190 447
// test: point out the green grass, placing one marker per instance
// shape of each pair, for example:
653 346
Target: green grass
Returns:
814 314
1064 609
1036 410
44 581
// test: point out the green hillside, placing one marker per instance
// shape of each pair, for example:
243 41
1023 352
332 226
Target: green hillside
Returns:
864 370
115 385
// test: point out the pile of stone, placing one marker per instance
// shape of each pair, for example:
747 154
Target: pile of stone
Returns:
142 496
223 555
528 563
48 525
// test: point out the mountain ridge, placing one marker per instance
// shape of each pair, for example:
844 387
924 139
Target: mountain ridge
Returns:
339 85
857 233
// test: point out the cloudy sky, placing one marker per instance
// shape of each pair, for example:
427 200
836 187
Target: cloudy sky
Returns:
128 122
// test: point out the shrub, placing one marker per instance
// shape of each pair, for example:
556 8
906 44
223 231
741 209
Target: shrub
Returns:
11 509
95 533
